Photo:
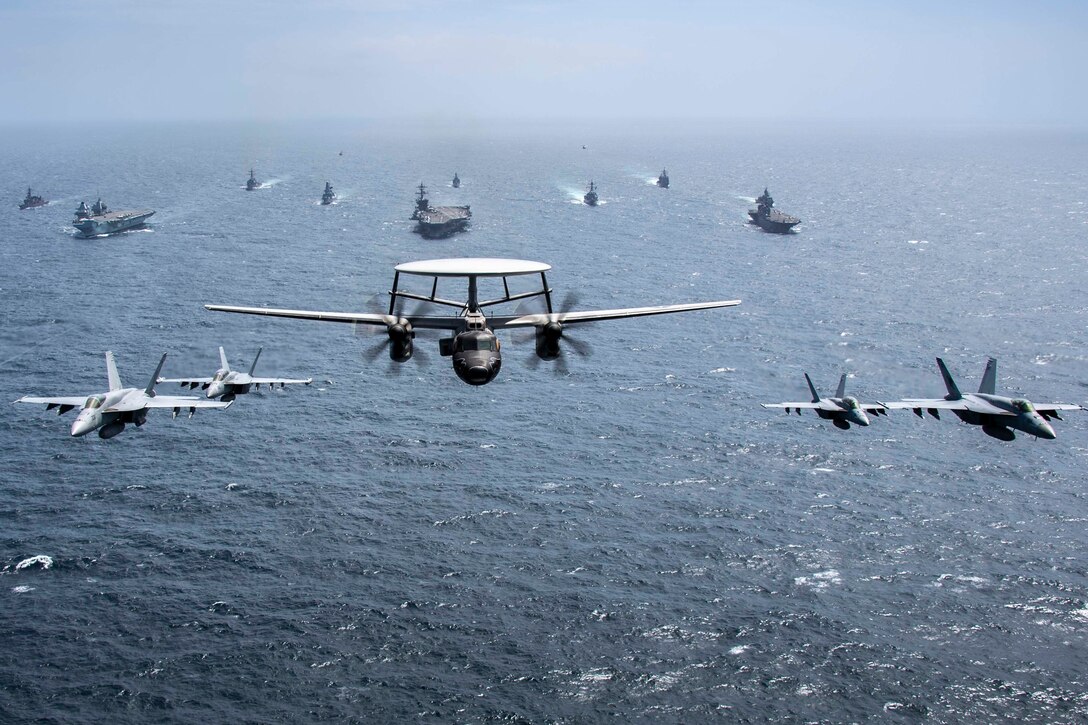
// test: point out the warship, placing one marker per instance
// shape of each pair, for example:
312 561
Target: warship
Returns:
99 220
772 220
328 196
436 222
591 195
456 181
663 180
32 201
252 183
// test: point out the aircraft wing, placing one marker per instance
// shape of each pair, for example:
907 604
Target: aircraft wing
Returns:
131 403
185 381
62 400
808 405
1045 407
439 322
280 381
975 406
568 318
183 401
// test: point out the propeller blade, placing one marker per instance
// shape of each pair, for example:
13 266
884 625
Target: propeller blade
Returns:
581 347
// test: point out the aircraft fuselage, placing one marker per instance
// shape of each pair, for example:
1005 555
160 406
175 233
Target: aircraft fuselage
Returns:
476 354
1024 418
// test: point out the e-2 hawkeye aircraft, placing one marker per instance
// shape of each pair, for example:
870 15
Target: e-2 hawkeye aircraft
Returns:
109 412
227 383
842 410
473 346
997 414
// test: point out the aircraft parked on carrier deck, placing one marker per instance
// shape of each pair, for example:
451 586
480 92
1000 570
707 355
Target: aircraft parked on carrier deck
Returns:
109 412
842 410
227 383
472 344
998 415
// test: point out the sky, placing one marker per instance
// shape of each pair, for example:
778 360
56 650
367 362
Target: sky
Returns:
987 63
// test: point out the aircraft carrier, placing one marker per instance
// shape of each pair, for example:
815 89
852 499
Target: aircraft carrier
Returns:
99 220
437 222
769 218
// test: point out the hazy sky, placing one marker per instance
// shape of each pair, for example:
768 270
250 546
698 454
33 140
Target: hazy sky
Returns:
943 62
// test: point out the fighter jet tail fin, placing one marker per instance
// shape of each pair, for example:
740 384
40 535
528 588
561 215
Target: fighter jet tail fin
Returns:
841 392
989 378
255 358
111 372
815 395
223 359
150 389
953 391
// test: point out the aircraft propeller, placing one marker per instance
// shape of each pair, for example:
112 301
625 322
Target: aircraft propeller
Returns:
547 338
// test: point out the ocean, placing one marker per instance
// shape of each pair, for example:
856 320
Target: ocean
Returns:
628 538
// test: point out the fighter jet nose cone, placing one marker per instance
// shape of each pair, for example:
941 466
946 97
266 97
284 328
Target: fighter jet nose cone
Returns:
1048 432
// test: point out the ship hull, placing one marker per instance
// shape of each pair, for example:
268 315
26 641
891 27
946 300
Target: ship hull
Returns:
774 227
112 223
441 230
33 204
777 223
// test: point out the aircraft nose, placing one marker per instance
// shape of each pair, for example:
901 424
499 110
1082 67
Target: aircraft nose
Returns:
82 426
1046 430
215 390
858 417
478 374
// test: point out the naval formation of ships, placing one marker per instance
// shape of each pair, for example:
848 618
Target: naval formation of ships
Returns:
432 222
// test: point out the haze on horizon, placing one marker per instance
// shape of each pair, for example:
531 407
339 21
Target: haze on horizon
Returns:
988 63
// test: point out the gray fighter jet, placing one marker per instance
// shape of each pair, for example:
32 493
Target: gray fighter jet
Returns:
227 383
842 410
997 414
109 412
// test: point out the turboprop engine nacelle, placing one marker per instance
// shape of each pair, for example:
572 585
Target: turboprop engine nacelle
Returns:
547 340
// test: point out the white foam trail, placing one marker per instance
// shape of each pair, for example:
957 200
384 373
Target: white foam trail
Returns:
42 559
22 589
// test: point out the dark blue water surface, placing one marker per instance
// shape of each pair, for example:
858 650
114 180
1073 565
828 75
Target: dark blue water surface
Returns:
633 540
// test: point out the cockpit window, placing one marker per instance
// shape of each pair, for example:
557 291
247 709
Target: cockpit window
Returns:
851 403
219 376
475 343
1023 406
93 402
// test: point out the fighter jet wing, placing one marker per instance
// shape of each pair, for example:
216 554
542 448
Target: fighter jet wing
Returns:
61 400
185 381
447 322
568 318
809 405
280 381
1045 407
132 403
975 406
183 401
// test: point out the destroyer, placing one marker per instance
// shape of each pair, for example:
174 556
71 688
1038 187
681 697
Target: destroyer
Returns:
591 196
99 220
456 181
772 220
436 222
328 196
252 182
663 180
32 201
